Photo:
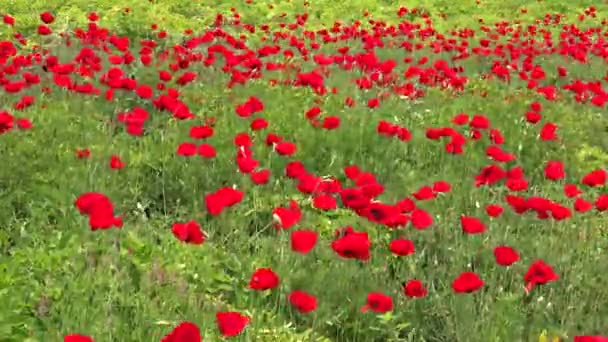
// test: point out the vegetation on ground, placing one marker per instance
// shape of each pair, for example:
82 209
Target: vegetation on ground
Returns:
303 171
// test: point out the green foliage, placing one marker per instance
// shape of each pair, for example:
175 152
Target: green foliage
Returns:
134 284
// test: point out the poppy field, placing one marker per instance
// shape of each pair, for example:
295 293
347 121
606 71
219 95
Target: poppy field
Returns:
304 171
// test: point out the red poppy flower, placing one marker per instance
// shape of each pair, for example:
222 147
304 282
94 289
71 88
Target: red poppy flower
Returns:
554 170
353 245
184 332
47 17
189 232
77 338
223 198
285 148
303 241
505 255
263 279
415 289
116 163
467 282
539 273
186 149
378 302
231 323
302 301
402 247
472 225
260 177
287 217
324 202
595 338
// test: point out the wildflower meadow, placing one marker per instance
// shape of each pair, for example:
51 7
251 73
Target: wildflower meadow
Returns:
276 171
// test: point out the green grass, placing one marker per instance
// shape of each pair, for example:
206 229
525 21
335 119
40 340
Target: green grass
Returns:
136 283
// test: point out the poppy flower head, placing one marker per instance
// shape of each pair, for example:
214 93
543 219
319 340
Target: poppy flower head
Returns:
263 279
231 323
184 332
378 302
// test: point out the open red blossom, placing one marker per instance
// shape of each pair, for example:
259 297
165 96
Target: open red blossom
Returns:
601 204
494 210
9 20
47 17
77 338
518 184
548 132
489 175
44 30
354 198
231 323
116 163
144 91
497 137
353 245
505 255
331 122
186 149
415 289
378 302
92 16
263 279
533 117
460 119
251 106
246 164
539 273
6 122
373 103
424 193
595 178
258 124
223 198
560 212
442 186
554 170
571 190
201 132
286 218
100 210
285 148
479 121
189 232
324 202
406 205
536 106
581 206
595 338
467 282
184 332
272 139
24 124
402 247
206 151
302 301
308 183
471 225
313 113
186 78
294 169
260 177
303 241
421 219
